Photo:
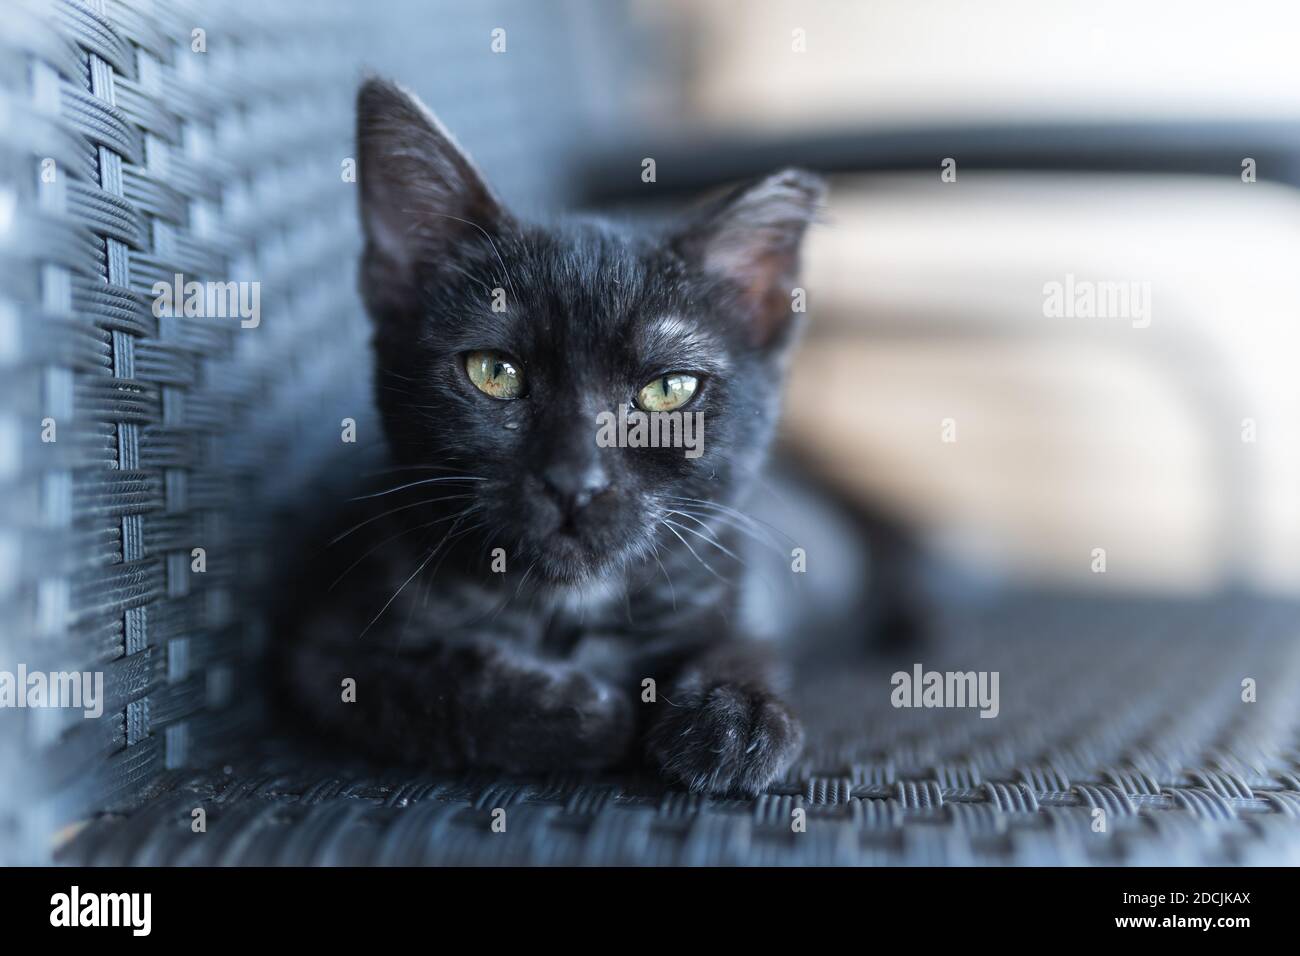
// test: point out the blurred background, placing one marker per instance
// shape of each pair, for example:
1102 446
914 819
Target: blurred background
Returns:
1101 141
978 154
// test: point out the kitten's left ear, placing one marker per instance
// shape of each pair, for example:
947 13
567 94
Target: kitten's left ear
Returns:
420 194
750 241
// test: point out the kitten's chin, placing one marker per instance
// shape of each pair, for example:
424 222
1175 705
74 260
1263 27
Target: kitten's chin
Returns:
567 560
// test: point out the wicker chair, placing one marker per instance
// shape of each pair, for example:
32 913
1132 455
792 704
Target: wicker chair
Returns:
140 140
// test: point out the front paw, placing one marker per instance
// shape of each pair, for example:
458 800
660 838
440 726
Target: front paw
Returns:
548 719
724 738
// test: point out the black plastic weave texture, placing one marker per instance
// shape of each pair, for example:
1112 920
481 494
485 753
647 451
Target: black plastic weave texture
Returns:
1133 711
140 143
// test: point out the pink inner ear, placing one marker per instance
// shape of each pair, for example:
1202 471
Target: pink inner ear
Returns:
775 311
763 275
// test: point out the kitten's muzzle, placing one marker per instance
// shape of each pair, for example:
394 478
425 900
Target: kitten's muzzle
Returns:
574 486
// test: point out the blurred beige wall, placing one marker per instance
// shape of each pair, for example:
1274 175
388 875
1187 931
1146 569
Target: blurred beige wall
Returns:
907 62
927 298
927 306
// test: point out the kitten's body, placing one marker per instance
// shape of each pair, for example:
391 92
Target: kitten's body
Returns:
511 594
577 653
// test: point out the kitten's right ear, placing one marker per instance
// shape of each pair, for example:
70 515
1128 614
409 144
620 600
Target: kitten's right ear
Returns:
750 241
420 194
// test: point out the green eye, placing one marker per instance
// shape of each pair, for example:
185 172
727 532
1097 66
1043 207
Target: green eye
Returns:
494 374
667 392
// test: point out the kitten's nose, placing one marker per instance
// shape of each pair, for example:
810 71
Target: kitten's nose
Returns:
573 485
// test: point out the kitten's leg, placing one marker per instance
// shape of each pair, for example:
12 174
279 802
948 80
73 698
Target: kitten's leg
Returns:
459 706
722 725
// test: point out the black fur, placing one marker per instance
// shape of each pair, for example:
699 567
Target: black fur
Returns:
545 666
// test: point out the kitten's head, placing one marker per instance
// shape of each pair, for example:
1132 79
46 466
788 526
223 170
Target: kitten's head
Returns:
499 345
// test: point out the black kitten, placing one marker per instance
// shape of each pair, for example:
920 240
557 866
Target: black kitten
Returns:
523 596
